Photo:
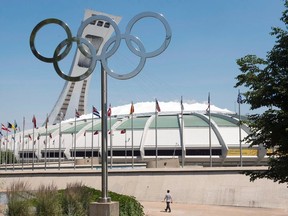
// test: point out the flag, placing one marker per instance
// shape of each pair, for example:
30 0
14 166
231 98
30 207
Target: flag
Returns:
34 121
239 98
181 103
4 128
96 132
29 136
77 114
109 111
157 106
38 137
9 125
46 122
85 133
95 112
132 108
15 126
109 132
208 108
123 131
1 134
50 135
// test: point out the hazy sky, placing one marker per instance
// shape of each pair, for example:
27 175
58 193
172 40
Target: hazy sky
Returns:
208 37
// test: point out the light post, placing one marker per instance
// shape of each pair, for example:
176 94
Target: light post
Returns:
109 48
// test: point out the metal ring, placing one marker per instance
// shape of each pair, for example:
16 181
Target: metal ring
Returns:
132 73
38 27
106 52
164 44
89 70
116 30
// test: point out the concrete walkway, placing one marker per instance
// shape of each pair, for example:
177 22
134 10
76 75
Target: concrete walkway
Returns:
178 209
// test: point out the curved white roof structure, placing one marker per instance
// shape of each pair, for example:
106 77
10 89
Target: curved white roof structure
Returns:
147 133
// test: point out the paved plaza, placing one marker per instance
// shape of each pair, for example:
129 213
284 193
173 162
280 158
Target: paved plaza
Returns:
178 209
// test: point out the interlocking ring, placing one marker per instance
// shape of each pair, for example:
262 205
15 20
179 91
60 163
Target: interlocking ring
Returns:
164 44
106 53
38 27
132 73
92 56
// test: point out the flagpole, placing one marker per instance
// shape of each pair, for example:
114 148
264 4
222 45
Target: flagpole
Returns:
85 146
6 156
46 143
156 144
75 143
23 143
38 139
210 145
14 146
92 138
60 139
1 135
98 146
49 148
111 141
33 149
240 142
125 148
182 128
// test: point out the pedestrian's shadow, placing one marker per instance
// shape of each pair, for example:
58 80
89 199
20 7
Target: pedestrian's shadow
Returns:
163 211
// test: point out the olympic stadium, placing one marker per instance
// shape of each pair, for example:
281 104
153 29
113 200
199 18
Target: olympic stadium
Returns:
188 134
146 134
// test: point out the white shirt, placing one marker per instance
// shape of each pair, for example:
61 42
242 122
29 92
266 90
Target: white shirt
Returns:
168 197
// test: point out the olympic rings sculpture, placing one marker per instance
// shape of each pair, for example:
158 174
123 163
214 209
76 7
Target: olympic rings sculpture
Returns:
106 51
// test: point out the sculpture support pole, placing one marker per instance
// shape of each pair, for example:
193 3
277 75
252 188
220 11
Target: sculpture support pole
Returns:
104 154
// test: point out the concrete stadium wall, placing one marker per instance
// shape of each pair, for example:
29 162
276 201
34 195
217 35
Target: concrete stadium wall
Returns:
212 186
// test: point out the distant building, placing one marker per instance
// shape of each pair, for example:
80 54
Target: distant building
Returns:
138 133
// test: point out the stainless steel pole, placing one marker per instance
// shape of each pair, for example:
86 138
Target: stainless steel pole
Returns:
104 197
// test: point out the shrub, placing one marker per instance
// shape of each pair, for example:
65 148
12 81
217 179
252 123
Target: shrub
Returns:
72 201
75 199
46 201
19 200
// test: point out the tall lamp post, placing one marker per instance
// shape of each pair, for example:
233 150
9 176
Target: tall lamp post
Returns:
109 48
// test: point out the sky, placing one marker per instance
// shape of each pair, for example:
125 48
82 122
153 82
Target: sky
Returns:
207 39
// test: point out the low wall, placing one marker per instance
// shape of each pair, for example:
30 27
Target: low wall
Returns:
213 186
163 163
87 161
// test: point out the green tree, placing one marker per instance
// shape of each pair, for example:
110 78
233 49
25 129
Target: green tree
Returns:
267 84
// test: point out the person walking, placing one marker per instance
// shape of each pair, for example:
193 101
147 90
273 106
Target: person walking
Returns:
168 199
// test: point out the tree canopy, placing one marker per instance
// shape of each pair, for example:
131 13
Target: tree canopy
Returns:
266 81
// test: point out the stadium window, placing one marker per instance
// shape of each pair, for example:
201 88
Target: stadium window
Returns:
100 23
107 25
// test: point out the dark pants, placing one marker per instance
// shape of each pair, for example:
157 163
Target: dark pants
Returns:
168 206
